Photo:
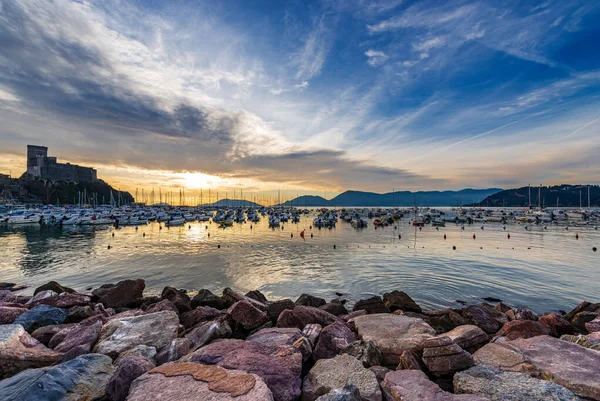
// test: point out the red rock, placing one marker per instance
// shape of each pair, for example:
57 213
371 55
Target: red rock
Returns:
413 385
333 339
8 314
8 296
300 316
276 336
521 314
482 318
77 335
64 300
45 334
164 305
275 308
129 369
593 325
199 315
468 337
257 296
444 358
558 324
523 329
179 298
230 297
595 336
309 300
247 315
125 293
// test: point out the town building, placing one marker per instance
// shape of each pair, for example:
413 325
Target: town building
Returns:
42 166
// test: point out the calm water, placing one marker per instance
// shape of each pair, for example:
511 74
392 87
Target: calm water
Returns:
543 269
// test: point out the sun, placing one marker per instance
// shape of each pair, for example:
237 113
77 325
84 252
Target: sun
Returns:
200 180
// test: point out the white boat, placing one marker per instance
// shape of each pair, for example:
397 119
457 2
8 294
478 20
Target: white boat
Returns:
175 222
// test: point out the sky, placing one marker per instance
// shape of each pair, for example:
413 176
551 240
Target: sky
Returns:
305 96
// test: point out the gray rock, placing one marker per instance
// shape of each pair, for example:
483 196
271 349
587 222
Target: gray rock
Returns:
443 357
40 316
413 385
333 339
178 348
139 350
348 393
366 352
497 385
207 332
128 369
582 340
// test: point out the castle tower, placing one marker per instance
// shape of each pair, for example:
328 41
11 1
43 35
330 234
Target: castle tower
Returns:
36 160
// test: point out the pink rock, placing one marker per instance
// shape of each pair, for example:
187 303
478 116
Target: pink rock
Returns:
199 315
413 385
276 336
523 329
468 337
64 300
300 316
558 324
333 339
594 325
78 335
129 369
164 305
595 336
247 315
8 314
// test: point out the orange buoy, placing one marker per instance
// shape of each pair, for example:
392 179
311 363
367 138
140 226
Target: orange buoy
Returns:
576 236
311 235
302 233
508 236
209 234
444 236
292 235
474 236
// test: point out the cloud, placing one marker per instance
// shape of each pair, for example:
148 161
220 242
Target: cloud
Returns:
376 58
428 44
310 59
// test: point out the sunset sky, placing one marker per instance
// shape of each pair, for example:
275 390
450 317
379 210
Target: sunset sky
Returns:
305 96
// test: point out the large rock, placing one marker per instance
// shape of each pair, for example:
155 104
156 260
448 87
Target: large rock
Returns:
565 363
393 334
207 298
312 332
81 379
521 314
79 313
500 316
207 332
8 314
371 305
335 373
199 315
126 293
582 340
257 296
558 324
497 385
77 335
333 339
468 337
275 308
64 300
523 329
593 325
179 298
413 385
300 316
585 306
129 369
483 318
154 330
177 348
139 350
195 382
582 319
45 334
276 336
161 306
40 316
443 320
20 351
53 286
366 352
399 300
335 308
309 300
349 393
247 315
279 367
230 297
444 358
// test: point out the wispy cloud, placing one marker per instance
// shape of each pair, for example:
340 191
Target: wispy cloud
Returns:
375 57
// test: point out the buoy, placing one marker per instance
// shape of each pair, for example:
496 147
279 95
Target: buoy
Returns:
454 247
474 236
144 235
566 227
508 236
113 234
302 233
209 234
190 227
399 236
545 227
292 235
576 236
206 227
462 227
437 229
482 227
444 236
594 249
109 247
160 227
251 226
504 228
311 235
595 227
136 228
218 246
334 247
420 228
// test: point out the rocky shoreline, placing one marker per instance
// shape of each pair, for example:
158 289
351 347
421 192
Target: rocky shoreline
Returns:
117 344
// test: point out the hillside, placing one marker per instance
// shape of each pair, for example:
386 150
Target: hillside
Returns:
232 203
564 195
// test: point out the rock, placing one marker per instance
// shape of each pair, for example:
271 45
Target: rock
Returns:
40 316
500 317
582 318
352 315
179 298
55 287
334 308
523 329
83 378
585 306
207 298
482 318
178 348
304 346
230 297
521 314
257 296
279 367
380 372
497 385
124 294
365 351
195 382
77 335
593 325
300 316
129 369
139 350
64 300
154 330
207 332
558 324
8 296
562 362
502 307
127 313
371 305
444 358
75 352
199 315
595 336
45 334
162 306
20 351
309 300
79 313
312 332
410 360
421 316
99 309
399 300
468 337
348 393
393 334
333 339
443 320
413 385
335 373
274 309
247 315
8 314
276 336
583 341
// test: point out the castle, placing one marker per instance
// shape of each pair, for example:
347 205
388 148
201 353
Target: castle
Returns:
40 165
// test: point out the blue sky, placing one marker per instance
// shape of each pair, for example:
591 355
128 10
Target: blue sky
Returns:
303 95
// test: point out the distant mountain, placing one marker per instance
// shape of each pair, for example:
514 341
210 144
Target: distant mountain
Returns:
397 198
232 203
564 195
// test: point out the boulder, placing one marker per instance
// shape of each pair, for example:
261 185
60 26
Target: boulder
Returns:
161 306
500 317
399 300
523 329
154 330
178 348
179 298
195 382
312 332
585 306
443 320
8 296
304 346
371 305
501 307
309 300
139 350
521 314
582 340
207 298
348 393
79 313
40 316
413 385
45 334
257 296
444 358
20 351
207 332
77 335
124 294
595 336
9 314
468 337
562 362
481 317
275 308
80 379
352 315
279 367
497 385
199 315
335 373
581 319
247 315
365 351
593 325
128 369
230 297
332 340
411 360
300 316
335 308
558 324
276 336
64 300
380 372
53 286
393 334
